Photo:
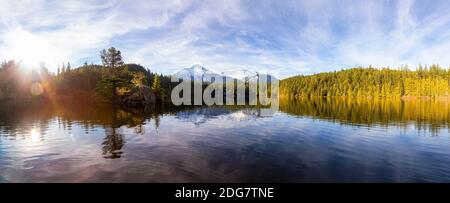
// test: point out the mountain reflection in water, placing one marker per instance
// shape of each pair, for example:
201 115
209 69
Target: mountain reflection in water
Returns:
308 140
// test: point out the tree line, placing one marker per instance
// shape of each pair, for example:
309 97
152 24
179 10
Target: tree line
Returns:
432 81
89 81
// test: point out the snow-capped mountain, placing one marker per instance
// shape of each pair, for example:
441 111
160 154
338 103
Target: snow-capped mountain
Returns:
243 75
199 73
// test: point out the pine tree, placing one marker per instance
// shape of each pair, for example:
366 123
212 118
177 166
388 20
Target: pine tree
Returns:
430 81
111 58
156 86
68 67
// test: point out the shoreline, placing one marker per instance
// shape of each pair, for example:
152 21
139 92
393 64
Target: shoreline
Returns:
372 97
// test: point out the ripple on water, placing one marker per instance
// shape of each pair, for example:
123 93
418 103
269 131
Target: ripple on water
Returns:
222 145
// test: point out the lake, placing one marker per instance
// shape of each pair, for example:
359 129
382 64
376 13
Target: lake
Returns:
307 140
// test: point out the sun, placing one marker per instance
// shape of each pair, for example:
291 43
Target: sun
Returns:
29 49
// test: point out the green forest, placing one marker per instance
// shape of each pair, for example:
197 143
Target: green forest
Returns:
432 81
120 82
90 82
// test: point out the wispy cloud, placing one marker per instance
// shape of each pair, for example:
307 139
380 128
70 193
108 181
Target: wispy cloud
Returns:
59 31
282 38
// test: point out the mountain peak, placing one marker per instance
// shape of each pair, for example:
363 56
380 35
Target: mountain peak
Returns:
244 75
198 66
198 72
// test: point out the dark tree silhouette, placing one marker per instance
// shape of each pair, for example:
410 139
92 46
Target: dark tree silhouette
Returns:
111 58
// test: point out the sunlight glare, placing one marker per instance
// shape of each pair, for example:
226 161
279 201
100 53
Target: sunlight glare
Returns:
29 49
34 135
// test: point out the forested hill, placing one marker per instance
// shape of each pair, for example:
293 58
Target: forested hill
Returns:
112 81
370 82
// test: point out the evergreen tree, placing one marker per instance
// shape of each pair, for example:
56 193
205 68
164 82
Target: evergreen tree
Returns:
369 82
68 67
111 58
156 86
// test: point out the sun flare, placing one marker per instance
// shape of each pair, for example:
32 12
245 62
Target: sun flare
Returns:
29 49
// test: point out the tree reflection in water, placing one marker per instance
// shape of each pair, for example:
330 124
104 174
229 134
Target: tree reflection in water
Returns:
310 139
426 114
113 144
17 119
130 117
19 116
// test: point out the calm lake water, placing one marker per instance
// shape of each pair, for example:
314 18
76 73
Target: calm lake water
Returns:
307 140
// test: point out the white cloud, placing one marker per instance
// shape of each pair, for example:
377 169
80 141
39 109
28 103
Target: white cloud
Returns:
282 38
70 30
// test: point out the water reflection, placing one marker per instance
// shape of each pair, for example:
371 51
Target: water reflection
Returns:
309 140
425 114
112 144
200 116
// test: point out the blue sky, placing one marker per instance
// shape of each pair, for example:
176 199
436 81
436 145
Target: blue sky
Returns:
283 38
